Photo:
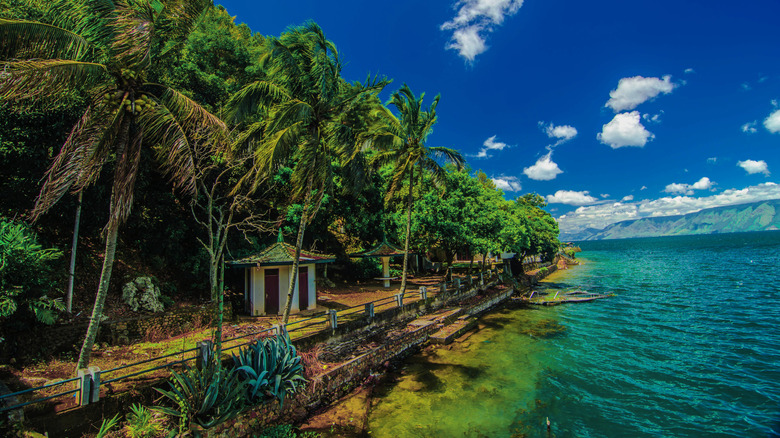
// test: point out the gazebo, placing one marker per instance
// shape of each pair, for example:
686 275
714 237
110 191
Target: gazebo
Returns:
267 278
385 250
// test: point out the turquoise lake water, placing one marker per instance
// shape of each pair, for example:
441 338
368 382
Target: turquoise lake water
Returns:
690 346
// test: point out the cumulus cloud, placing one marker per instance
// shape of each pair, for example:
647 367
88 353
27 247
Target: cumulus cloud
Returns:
507 183
625 129
753 166
570 197
490 145
475 20
688 189
655 118
599 216
545 169
772 123
627 198
631 92
562 132
750 127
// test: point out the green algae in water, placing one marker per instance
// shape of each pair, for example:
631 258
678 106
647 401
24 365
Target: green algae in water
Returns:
475 388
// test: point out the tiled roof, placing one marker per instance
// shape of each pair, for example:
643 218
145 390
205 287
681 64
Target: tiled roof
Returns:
384 248
281 253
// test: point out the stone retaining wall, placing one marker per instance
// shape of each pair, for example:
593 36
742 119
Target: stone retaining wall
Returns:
324 389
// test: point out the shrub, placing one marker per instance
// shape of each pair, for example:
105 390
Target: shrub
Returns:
286 431
271 368
142 424
364 268
26 276
206 396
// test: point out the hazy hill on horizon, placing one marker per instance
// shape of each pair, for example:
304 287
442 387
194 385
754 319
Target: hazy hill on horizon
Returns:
755 216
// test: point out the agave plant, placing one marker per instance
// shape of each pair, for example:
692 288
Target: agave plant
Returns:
206 396
271 368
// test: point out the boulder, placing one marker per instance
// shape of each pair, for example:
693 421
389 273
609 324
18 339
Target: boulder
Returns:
142 295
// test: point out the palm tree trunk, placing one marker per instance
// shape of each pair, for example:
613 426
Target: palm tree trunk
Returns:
408 231
297 261
72 269
100 299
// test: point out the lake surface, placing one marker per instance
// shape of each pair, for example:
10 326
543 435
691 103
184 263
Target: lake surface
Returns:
690 346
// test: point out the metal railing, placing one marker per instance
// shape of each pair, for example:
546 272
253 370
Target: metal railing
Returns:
89 381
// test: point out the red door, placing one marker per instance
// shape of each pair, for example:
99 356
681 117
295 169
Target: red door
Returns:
271 291
303 288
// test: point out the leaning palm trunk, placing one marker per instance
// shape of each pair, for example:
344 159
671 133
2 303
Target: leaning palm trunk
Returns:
296 263
100 299
408 232
72 269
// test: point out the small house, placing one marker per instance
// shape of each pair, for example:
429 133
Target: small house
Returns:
267 279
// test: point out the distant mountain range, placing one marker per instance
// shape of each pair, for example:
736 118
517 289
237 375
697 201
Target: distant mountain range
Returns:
756 216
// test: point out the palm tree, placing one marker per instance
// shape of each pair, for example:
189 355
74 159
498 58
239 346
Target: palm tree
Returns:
105 49
310 116
401 140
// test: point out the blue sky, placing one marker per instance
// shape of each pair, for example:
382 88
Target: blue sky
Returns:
612 110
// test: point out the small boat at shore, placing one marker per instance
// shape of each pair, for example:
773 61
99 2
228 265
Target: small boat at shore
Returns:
576 296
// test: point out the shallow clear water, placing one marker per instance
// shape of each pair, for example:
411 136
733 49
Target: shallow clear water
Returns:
688 347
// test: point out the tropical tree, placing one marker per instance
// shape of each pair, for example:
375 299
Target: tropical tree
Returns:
106 49
310 116
401 142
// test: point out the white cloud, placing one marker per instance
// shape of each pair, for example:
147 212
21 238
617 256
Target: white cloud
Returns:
627 198
507 183
604 195
562 132
712 160
772 123
655 118
750 127
490 145
643 188
599 216
688 189
753 166
689 70
474 21
571 197
625 129
545 169
631 92
746 86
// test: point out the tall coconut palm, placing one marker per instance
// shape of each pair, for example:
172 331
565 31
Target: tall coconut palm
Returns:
109 61
309 115
401 140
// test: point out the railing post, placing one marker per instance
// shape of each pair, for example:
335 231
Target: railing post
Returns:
457 285
370 310
334 319
399 299
277 329
84 382
448 277
481 278
443 288
94 384
205 351
423 293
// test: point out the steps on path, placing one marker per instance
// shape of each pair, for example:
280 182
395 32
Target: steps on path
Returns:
456 329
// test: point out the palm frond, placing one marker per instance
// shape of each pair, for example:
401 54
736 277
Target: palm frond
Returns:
83 154
46 81
448 155
125 174
257 94
28 39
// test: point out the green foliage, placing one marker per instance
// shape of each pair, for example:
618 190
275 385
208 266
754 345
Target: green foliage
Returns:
107 425
142 424
364 268
271 369
286 431
206 396
26 274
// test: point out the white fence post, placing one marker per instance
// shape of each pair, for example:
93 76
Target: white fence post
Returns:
370 310
423 293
